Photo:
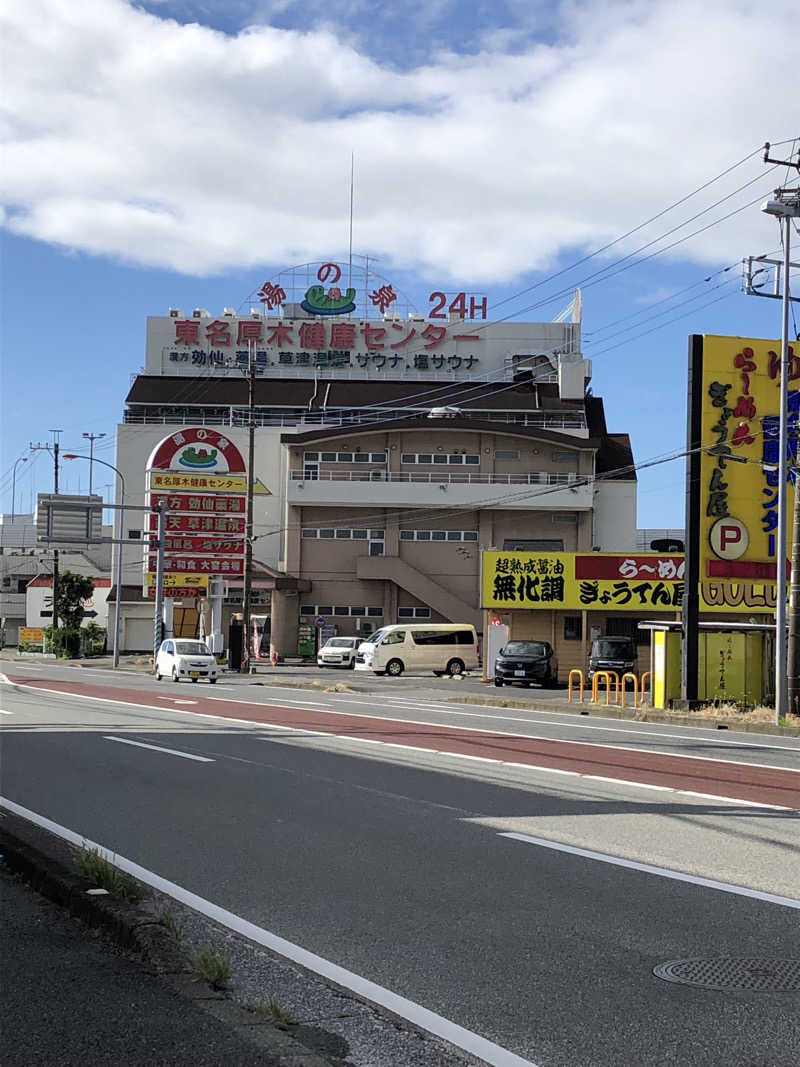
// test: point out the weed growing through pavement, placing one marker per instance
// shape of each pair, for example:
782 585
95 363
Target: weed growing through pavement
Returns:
274 1013
212 967
166 917
96 868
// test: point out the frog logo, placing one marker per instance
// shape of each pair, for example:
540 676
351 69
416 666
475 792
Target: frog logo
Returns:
318 302
198 458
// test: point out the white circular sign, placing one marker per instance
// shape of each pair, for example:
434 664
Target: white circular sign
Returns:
729 538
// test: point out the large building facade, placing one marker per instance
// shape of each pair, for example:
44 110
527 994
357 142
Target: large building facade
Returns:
389 451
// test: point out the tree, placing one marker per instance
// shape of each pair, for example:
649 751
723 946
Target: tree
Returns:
73 589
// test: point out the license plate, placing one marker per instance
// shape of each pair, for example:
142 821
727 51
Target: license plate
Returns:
519 674
194 674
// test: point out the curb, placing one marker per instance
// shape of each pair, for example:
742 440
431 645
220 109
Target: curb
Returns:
136 931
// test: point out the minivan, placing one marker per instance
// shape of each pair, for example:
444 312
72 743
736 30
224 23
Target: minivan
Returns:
444 648
616 654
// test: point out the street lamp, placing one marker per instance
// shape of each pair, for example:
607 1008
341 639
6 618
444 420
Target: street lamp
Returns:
118 580
91 438
22 459
785 206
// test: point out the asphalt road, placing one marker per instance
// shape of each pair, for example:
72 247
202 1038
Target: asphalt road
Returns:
390 861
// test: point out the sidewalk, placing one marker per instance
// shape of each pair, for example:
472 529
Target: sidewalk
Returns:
71 998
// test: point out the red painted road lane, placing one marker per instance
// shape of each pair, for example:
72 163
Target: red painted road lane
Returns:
762 784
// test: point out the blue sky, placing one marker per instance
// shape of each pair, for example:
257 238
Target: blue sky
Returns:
178 154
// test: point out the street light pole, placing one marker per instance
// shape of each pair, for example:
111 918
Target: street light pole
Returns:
91 438
22 459
786 205
248 536
118 578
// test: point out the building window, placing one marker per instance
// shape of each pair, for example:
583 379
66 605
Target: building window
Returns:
566 518
376 548
308 609
505 453
359 535
327 533
563 457
339 610
343 535
311 457
573 629
413 613
308 533
324 609
375 613
453 459
438 535
358 611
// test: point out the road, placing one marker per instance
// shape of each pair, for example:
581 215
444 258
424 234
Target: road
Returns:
374 832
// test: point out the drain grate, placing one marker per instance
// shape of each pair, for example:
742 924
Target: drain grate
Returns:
759 975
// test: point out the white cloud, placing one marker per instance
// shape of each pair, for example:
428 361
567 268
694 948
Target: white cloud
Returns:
136 137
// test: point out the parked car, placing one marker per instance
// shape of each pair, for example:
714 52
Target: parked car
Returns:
178 658
616 654
444 648
338 652
526 662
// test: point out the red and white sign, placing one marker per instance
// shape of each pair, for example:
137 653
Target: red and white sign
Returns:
667 568
201 503
198 565
205 529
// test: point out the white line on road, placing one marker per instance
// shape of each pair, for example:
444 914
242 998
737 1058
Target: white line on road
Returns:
158 748
416 1014
663 872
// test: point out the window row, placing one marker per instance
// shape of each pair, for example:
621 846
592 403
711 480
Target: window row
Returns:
413 613
338 609
454 459
344 457
438 535
333 533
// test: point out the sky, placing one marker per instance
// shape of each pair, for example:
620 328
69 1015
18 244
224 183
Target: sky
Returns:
180 153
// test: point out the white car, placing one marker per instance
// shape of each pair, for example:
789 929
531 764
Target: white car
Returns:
179 658
338 652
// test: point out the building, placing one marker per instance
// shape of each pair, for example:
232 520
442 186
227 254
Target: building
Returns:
389 450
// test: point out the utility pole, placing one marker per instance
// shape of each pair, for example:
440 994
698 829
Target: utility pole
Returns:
785 205
248 535
91 438
54 450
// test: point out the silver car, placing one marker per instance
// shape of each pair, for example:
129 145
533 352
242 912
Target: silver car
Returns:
179 658
338 652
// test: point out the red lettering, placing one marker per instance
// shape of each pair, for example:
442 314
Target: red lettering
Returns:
458 305
441 300
482 307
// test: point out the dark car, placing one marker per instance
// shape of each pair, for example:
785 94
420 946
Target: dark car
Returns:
616 654
526 662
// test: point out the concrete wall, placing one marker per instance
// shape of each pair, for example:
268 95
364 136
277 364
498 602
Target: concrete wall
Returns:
614 516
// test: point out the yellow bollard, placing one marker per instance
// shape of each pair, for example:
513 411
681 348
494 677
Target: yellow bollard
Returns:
579 673
635 689
649 676
606 676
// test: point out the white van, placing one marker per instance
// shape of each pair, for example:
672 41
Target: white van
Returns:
444 648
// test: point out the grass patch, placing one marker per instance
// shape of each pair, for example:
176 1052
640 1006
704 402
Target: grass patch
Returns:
212 967
96 868
274 1013
727 711
166 917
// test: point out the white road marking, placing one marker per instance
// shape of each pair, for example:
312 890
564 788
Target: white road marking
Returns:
663 872
257 704
364 740
416 1014
158 748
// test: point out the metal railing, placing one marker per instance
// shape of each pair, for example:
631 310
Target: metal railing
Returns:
440 477
542 420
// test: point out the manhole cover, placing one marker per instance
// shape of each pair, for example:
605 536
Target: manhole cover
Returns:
760 975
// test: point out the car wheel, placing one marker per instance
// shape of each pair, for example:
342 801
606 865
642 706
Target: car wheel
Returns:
454 667
352 664
498 682
379 673
175 675
394 668
195 680
212 681
158 676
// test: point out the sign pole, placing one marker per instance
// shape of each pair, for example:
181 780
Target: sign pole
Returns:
781 645
248 535
158 610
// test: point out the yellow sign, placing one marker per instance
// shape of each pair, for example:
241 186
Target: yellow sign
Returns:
182 581
230 483
740 410
30 635
645 582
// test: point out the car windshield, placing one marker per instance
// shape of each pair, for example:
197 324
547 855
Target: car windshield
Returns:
192 648
610 649
377 637
525 648
340 642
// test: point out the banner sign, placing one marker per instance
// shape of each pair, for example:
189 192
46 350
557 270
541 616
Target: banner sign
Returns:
181 581
231 483
739 398
30 635
645 583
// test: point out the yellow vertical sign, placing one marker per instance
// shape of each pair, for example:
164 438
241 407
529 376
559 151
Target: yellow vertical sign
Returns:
738 471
